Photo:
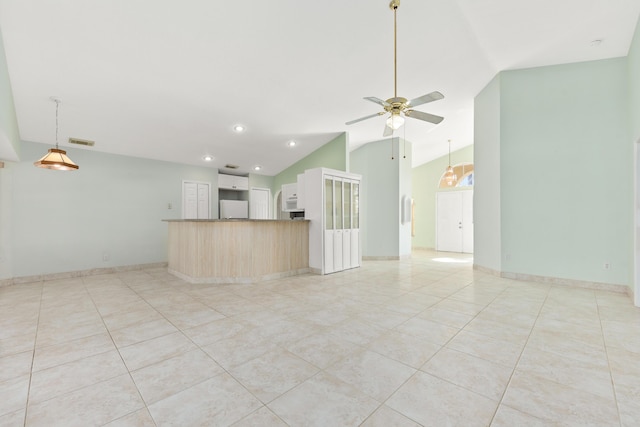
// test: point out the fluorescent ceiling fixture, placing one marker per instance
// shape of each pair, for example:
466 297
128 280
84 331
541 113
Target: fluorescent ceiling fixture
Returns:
207 158
239 128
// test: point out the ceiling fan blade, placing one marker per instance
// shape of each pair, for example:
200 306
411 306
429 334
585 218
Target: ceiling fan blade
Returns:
430 97
377 101
431 118
365 118
387 131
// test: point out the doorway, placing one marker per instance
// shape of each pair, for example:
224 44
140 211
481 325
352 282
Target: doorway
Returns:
454 221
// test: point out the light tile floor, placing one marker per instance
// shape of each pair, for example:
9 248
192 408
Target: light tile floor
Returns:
393 343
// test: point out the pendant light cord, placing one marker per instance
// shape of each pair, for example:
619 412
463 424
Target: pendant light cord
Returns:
57 104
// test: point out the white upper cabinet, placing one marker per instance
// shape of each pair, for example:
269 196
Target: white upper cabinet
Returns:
290 197
233 182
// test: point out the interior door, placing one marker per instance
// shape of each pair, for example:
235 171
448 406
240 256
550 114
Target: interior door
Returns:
449 221
346 234
338 261
195 200
328 226
190 200
203 201
355 224
259 203
454 221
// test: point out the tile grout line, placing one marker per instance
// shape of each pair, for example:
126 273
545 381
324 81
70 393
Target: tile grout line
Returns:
515 366
33 356
119 354
606 350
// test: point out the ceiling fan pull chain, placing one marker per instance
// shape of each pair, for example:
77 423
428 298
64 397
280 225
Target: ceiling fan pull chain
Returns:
404 142
392 158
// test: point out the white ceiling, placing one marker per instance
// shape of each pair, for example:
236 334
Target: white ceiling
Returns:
167 80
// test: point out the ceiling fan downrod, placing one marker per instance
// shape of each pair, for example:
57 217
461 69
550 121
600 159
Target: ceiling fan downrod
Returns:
394 6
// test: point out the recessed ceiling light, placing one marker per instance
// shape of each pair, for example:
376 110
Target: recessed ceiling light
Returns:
239 128
257 167
291 143
207 158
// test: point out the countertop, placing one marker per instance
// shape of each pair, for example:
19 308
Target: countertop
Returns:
236 220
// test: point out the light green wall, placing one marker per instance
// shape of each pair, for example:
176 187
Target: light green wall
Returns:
332 155
384 181
9 136
66 221
425 179
9 151
634 83
260 181
487 230
405 186
566 164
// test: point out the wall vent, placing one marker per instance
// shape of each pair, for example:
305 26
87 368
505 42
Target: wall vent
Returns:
228 166
84 142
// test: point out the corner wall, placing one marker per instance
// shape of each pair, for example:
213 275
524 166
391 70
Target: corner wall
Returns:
564 161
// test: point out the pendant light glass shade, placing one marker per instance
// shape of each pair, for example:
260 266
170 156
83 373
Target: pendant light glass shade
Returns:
395 121
56 158
449 177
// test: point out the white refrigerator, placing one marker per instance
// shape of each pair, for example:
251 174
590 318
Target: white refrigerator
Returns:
234 209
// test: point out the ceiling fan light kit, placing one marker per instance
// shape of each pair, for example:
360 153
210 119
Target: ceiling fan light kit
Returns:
398 107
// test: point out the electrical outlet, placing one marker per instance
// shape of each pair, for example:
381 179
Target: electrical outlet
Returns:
607 265
169 206
507 257
105 256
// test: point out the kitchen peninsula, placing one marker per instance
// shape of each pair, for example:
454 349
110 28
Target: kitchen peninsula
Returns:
237 250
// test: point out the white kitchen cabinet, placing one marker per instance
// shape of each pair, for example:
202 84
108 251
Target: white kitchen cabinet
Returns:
290 197
233 182
332 205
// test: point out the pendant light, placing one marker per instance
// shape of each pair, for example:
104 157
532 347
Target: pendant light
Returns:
56 158
450 177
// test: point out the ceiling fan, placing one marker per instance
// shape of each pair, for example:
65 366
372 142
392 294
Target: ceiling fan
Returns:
399 107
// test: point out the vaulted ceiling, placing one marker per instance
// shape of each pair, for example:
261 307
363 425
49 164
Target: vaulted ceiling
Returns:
168 80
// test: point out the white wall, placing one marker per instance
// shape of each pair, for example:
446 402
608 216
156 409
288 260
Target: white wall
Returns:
114 205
